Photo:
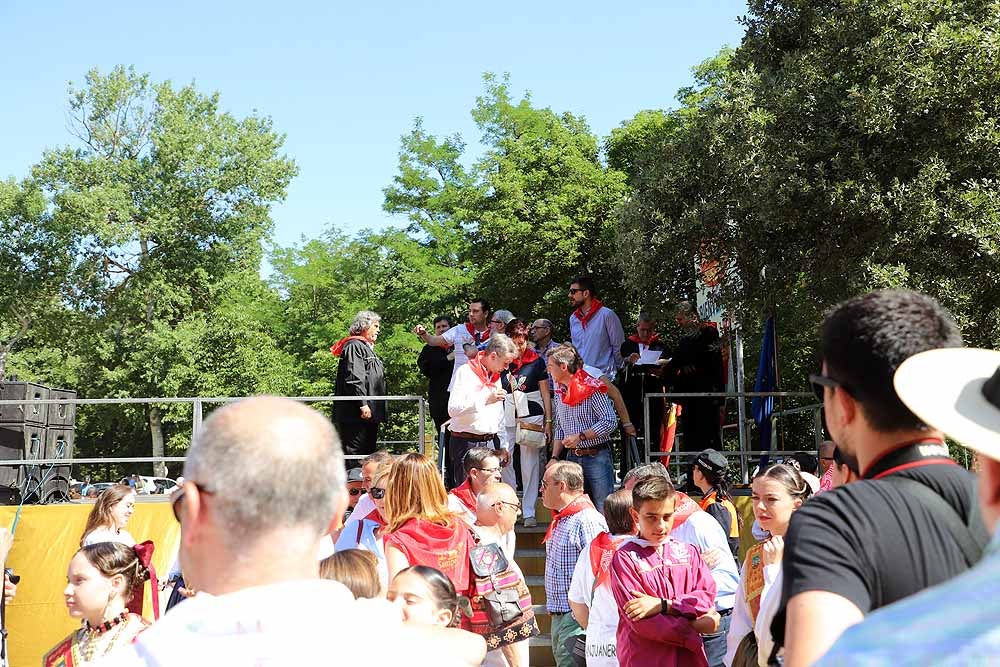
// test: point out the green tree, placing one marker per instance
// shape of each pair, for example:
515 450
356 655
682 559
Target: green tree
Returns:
168 197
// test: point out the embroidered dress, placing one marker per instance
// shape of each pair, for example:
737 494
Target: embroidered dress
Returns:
757 600
88 645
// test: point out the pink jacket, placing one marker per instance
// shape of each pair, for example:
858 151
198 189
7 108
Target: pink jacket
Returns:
674 572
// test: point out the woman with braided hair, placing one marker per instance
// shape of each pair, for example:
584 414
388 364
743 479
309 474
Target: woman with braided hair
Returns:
100 583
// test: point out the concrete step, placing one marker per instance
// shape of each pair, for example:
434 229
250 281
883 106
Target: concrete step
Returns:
540 651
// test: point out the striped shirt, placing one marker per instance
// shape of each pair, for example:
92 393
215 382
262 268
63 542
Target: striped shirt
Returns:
954 623
596 413
570 537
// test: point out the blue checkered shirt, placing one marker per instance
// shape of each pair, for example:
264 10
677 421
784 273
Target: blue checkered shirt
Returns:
571 536
597 413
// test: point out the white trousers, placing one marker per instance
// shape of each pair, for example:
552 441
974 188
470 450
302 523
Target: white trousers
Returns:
531 465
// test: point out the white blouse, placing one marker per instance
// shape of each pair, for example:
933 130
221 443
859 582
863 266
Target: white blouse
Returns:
108 535
742 622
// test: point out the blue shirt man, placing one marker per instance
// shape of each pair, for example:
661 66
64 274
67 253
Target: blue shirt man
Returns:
595 329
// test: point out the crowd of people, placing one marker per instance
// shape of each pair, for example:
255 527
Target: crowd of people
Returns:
877 551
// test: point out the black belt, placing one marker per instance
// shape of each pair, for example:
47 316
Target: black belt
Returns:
473 437
558 613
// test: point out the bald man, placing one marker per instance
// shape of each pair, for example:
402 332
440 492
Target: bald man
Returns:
263 482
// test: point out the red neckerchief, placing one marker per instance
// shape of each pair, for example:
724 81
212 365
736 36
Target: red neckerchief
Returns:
338 347
375 516
595 305
445 548
655 338
578 504
464 493
476 334
684 507
528 357
581 387
479 368
602 550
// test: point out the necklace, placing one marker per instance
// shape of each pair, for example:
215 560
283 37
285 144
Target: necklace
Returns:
92 637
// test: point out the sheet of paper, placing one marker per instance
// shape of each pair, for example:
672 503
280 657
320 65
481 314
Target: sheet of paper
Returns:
649 357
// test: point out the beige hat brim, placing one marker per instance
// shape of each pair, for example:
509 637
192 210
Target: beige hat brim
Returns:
944 389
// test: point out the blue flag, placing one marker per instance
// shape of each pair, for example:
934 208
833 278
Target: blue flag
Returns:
767 380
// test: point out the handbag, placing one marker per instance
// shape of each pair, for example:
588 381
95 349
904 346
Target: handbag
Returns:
501 602
529 435
746 652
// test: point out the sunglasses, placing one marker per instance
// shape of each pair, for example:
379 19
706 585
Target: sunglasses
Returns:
177 496
355 491
574 290
819 382
376 493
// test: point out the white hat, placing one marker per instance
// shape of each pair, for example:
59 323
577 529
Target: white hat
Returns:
955 390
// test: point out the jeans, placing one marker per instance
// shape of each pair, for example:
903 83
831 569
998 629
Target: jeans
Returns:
715 644
598 475
563 628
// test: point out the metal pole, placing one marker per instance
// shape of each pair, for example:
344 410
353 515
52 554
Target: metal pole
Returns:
645 428
196 419
420 425
741 404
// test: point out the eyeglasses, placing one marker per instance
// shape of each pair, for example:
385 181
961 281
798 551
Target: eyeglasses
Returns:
356 491
516 506
496 322
177 496
492 471
539 326
818 382
574 290
376 493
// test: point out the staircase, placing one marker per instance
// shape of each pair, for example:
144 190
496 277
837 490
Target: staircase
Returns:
530 556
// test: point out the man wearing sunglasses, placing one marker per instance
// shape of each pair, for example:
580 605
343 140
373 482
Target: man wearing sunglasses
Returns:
595 329
264 482
909 522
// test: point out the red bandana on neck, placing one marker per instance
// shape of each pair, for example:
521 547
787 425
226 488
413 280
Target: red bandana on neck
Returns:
375 516
684 507
655 338
595 305
578 504
464 493
581 386
478 336
528 357
479 368
338 347
602 550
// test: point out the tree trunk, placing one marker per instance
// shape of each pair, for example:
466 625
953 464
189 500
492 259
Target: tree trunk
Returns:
156 430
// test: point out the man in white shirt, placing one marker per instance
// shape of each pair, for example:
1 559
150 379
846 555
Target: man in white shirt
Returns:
476 401
252 559
464 337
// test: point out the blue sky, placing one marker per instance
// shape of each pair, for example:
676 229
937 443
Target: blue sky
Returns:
344 82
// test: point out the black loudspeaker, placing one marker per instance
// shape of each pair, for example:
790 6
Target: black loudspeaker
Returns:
20 441
28 413
62 415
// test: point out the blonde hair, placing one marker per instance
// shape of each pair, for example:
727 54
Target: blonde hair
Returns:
415 491
100 516
381 473
355 568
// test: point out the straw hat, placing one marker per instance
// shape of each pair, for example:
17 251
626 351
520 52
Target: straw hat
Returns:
957 391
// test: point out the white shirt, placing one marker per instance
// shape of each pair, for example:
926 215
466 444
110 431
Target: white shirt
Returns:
603 623
99 535
770 600
362 509
701 530
467 406
459 337
312 622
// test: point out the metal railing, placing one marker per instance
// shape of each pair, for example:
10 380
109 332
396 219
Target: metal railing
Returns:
198 404
742 425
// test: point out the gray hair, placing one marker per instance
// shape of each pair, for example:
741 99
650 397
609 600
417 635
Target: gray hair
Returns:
501 344
504 316
644 318
646 470
568 472
363 321
269 462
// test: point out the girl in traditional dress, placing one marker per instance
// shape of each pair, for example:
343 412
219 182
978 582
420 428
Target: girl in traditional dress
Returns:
776 493
421 529
100 582
107 520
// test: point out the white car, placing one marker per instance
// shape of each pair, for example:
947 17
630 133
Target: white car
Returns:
157 485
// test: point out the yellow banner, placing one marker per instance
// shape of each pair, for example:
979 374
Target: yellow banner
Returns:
46 539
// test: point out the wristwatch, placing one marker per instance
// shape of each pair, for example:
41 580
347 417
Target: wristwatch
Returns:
664 606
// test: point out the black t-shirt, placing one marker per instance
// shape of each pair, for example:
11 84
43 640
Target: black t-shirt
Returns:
526 378
873 543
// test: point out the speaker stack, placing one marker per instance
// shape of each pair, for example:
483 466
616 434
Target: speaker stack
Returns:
35 431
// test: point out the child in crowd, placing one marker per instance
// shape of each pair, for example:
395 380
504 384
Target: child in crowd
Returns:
664 591
355 568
